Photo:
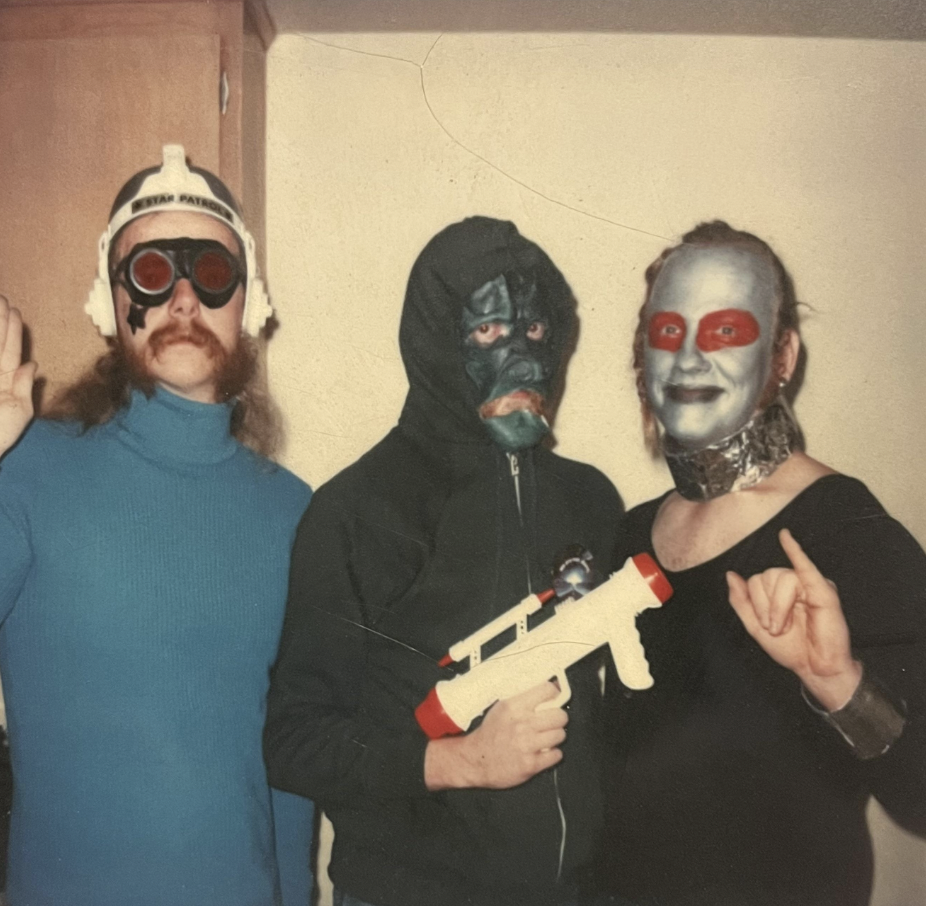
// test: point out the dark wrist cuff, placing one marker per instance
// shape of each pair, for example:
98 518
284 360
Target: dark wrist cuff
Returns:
871 721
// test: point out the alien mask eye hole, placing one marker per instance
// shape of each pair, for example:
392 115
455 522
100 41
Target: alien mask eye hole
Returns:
536 331
486 334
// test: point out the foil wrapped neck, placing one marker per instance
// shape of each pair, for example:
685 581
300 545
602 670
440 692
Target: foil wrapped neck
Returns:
737 462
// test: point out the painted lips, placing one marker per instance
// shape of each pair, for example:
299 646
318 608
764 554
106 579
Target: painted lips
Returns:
518 401
679 394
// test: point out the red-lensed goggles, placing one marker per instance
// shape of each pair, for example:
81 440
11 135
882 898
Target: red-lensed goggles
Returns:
150 271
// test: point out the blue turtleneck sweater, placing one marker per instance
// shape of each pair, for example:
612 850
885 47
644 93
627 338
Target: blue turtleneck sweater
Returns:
143 572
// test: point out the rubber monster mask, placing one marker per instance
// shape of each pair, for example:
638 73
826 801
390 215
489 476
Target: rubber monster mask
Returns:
485 329
509 357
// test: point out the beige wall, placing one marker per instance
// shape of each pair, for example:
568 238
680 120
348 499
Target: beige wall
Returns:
604 148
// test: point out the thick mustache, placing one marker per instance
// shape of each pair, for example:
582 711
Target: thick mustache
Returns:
194 332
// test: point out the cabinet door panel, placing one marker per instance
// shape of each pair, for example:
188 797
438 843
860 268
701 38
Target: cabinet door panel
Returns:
78 116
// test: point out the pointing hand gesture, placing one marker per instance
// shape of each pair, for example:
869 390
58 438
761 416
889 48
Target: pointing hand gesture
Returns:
15 378
795 615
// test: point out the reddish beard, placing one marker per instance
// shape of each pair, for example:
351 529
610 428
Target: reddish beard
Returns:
232 370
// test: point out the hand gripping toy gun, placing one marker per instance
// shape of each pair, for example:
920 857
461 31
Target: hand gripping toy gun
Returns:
604 616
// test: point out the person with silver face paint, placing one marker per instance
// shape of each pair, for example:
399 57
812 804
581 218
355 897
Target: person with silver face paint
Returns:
784 700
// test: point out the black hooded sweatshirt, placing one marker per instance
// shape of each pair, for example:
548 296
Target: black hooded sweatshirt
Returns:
416 545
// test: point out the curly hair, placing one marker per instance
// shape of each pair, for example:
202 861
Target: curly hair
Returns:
713 233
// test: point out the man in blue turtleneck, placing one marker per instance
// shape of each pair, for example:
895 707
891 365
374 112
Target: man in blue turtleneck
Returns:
144 548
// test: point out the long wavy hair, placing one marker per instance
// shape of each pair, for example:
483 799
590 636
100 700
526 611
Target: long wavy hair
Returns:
713 233
106 387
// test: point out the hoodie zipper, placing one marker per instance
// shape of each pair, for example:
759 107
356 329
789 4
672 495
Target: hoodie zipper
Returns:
515 472
516 478
515 469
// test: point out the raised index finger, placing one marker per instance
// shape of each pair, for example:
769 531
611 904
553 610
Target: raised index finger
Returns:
805 568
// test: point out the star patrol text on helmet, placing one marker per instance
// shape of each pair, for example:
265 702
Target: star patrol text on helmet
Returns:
176 187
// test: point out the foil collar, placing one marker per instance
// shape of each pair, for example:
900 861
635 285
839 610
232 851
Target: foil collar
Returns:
739 461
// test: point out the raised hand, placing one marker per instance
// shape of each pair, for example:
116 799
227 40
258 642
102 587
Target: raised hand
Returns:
517 739
16 378
796 616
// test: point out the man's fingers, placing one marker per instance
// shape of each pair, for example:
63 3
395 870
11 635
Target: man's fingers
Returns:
787 591
546 759
537 695
23 379
549 739
805 568
549 718
4 322
742 603
760 598
11 340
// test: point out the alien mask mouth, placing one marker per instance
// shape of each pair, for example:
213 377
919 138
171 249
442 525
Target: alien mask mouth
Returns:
517 401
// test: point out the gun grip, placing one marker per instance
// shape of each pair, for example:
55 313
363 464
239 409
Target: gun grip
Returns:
630 661
565 693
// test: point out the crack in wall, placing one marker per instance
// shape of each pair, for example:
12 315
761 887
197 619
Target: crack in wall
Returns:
498 169
364 53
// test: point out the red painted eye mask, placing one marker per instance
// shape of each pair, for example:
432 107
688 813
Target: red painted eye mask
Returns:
666 331
730 327
718 330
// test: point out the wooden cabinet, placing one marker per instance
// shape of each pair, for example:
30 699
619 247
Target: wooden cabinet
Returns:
89 92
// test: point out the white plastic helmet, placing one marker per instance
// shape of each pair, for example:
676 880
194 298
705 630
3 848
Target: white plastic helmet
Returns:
176 187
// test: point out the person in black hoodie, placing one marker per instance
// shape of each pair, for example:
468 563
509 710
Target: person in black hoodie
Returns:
450 520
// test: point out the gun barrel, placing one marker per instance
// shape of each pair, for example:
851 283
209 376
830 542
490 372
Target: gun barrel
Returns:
514 616
604 616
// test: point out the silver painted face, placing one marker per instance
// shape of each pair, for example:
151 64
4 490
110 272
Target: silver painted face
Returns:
708 352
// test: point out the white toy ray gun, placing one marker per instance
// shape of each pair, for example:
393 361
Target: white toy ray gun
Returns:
604 616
